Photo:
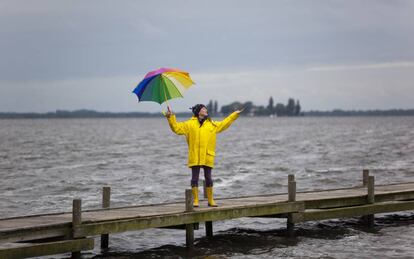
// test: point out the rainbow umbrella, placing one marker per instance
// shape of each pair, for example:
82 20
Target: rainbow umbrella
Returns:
163 84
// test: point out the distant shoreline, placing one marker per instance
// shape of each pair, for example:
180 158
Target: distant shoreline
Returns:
354 113
95 114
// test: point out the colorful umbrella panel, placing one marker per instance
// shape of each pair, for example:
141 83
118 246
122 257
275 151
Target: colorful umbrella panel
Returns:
162 85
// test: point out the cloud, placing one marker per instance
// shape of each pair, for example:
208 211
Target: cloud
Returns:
373 86
45 39
241 50
362 66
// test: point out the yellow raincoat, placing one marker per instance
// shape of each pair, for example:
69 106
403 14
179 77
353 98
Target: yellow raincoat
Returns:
201 140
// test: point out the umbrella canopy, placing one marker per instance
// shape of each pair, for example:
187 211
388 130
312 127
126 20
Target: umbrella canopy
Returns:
162 85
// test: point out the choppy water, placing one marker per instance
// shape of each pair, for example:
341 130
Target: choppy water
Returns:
44 164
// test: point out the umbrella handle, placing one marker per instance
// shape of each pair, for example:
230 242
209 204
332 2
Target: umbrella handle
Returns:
165 96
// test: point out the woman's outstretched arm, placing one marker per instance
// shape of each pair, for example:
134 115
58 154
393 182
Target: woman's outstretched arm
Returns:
224 124
178 128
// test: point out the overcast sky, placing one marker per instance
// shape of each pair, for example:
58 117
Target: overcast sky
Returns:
91 54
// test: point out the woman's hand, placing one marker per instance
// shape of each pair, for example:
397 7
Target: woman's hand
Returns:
239 110
169 112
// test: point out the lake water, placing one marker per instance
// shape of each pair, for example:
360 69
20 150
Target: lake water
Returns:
44 164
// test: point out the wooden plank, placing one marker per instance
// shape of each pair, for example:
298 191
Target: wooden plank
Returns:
35 233
108 214
103 215
24 250
396 187
335 202
24 222
185 218
340 198
321 214
393 196
196 226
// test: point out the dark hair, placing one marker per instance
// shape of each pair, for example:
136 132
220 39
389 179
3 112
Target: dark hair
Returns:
196 108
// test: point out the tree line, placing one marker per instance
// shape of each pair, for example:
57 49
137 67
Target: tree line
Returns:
291 108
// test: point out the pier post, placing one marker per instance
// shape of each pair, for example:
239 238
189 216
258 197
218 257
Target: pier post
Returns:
365 175
291 197
189 228
370 219
208 224
291 188
106 203
209 228
371 190
76 221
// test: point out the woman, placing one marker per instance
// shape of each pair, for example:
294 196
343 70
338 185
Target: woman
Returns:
200 132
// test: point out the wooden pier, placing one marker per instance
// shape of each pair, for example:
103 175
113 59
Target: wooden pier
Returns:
57 233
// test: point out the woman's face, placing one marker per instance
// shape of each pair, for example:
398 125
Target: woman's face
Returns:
203 112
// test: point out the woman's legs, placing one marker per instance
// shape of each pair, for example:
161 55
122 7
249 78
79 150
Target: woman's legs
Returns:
195 174
195 171
207 176
209 186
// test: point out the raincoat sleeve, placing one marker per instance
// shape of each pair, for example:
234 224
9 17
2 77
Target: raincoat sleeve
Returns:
179 128
224 124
